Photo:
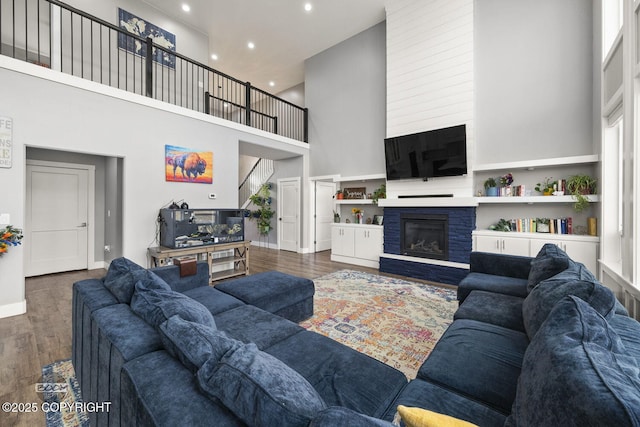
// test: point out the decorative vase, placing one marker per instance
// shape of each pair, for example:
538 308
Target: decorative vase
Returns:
493 192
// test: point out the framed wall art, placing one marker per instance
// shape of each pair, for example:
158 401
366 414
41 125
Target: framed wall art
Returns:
185 165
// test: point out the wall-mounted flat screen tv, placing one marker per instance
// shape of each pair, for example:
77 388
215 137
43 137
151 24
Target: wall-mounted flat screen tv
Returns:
429 154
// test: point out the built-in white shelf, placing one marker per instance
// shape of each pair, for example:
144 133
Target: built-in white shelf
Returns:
354 201
534 199
539 164
429 202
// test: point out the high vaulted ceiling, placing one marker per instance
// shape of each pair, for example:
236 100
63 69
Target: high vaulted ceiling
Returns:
284 33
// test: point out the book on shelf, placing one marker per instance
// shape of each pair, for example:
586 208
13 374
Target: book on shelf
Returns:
542 225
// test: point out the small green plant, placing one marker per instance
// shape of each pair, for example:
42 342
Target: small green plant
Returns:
546 186
264 213
501 225
490 182
579 186
379 193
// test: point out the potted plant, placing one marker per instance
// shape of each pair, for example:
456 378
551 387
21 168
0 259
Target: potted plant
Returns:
491 187
542 225
546 187
339 195
579 186
380 193
264 213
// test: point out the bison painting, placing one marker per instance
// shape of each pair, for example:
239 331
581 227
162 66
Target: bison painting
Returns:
187 166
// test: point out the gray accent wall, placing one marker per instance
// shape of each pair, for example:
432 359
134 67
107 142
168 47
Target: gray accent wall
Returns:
345 91
534 79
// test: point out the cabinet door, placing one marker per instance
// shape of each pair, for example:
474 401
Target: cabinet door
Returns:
515 246
488 244
368 244
342 241
584 252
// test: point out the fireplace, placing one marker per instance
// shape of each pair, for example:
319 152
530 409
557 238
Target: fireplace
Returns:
425 236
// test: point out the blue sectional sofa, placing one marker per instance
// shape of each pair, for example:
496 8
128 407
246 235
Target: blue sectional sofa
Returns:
535 342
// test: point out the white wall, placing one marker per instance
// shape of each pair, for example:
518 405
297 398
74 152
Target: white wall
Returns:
534 79
430 80
345 94
84 117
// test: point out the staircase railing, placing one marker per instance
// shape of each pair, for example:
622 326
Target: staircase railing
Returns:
258 175
55 35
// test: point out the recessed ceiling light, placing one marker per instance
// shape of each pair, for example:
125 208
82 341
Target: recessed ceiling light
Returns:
186 7
214 56
308 7
272 83
251 45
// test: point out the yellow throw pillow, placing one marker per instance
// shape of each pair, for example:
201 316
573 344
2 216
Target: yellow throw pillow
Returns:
417 417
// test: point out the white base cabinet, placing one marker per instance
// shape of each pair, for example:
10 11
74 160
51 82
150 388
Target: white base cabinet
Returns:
582 249
357 244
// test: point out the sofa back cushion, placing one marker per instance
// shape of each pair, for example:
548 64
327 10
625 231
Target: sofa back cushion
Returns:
260 389
157 305
576 371
572 281
550 261
193 343
119 279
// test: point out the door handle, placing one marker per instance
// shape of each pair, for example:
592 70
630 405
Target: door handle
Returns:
84 224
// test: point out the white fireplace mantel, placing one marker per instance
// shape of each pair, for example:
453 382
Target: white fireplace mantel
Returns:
428 202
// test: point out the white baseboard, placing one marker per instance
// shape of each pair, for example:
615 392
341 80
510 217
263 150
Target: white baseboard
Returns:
264 245
14 309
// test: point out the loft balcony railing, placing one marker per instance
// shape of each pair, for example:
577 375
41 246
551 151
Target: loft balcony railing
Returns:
53 34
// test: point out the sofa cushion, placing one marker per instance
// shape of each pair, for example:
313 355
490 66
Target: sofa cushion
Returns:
628 330
251 324
260 389
194 343
490 307
539 303
341 375
157 305
491 283
215 300
550 261
468 358
119 279
338 416
426 395
418 417
576 372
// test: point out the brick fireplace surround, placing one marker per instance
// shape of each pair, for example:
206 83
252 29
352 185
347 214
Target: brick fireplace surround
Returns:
462 221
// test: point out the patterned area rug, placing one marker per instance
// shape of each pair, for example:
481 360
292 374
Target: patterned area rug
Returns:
392 320
64 403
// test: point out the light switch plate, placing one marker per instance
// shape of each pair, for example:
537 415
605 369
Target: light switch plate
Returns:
5 219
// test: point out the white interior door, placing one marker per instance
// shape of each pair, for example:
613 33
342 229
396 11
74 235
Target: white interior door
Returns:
56 219
289 214
324 206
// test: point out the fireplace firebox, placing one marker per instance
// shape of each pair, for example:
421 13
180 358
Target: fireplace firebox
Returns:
425 236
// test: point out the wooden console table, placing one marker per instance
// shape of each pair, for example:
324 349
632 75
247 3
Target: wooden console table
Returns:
236 264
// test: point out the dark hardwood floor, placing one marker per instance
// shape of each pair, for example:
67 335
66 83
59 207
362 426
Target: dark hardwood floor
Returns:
43 334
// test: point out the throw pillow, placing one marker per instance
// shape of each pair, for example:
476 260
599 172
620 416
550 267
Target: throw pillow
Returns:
539 303
418 417
119 280
550 261
157 305
194 343
260 389
149 280
576 371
